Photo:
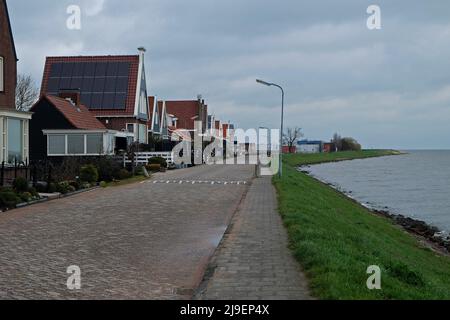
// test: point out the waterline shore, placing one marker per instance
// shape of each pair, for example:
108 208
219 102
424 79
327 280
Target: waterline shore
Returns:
437 239
336 239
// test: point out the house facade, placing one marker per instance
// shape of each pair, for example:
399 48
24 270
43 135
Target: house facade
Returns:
113 88
14 143
186 112
63 127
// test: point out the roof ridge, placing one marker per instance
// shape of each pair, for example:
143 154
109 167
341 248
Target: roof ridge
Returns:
10 30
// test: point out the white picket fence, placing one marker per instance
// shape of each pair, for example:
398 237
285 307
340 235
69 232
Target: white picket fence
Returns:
143 157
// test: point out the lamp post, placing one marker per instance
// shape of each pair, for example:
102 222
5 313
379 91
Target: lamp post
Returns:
280 170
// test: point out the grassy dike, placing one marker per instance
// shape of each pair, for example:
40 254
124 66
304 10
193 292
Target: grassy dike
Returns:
336 239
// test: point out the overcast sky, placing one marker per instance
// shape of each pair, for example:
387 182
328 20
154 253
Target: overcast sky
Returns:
387 88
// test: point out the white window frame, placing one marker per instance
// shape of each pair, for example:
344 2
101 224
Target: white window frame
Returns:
85 134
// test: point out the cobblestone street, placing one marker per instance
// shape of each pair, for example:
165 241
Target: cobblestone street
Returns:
141 241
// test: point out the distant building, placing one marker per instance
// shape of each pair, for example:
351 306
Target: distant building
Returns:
329 147
306 146
287 149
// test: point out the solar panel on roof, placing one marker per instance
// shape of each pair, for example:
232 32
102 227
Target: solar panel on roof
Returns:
86 98
89 69
100 69
78 69
53 85
76 83
120 100
97 100
112 69
55 70
99 84
122 84
110 84
123 69
67 69
87 84
64 83
102 85
108 100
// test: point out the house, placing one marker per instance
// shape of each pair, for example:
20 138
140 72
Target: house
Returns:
13 124
113 88
63 127
306 146
161 125
187 112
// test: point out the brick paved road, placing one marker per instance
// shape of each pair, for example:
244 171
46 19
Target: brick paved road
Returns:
253 261
142 241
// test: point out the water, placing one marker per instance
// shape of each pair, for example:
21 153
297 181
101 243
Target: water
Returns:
416 184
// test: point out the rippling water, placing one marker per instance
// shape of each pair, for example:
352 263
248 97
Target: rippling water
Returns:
416 184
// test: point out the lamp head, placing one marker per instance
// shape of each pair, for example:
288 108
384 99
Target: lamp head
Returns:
263 82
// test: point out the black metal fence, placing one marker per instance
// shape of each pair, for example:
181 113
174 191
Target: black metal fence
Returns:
9 172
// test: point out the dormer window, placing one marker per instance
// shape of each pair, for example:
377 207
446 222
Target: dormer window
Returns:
2 75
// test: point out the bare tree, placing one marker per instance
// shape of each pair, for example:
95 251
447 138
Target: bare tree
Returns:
337 141
291 137
26 93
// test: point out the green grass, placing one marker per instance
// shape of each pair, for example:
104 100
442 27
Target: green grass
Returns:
336 239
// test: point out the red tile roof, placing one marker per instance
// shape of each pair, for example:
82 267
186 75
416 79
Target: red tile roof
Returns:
132 80
186 111
79 116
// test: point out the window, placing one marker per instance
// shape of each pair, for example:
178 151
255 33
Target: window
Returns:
94 143
75 144
142 133
130 128
2 75
56 144
15 140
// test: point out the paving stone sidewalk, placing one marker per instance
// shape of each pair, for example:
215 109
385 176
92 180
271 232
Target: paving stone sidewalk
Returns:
253 260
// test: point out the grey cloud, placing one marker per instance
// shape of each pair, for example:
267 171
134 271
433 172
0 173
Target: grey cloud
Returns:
379 86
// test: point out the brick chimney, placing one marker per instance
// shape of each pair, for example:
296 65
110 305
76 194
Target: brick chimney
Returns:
73 95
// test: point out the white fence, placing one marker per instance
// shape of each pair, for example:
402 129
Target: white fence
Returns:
143 157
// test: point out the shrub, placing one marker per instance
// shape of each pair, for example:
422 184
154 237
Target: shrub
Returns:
75 185
51 188
108 168
71 189
154 167
26 196
9 199
86 185
20 184
124 174
33 192
103 184
158 160
350 144
62 187
89 173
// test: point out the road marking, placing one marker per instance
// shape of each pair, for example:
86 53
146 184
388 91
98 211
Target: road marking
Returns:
193 182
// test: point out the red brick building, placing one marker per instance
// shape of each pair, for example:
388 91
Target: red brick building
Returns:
13 123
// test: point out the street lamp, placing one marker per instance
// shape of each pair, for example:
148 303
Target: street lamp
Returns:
280 170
